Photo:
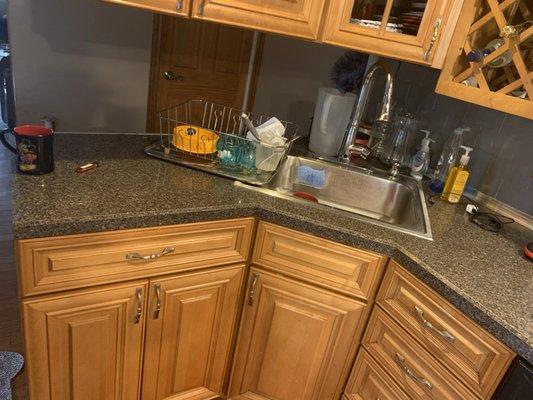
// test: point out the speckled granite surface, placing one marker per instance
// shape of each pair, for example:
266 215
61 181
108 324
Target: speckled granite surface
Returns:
481 273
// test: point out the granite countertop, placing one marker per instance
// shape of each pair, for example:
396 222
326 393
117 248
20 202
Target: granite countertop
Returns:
481 273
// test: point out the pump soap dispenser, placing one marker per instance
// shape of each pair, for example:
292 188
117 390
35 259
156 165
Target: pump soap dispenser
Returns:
448 158
455 185
420 161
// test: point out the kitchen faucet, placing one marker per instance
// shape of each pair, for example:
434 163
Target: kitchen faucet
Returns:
349 147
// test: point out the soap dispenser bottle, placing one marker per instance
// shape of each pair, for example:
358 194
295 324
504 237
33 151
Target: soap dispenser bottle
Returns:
456 182
448 158
420 161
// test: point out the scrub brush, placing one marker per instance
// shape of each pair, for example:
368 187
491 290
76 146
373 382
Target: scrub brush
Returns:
348 71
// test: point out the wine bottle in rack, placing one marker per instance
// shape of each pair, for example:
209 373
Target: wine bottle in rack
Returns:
478 55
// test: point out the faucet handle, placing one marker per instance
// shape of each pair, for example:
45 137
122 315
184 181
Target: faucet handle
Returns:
395 170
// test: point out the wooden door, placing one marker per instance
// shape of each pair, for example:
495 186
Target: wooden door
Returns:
300 18
188 340
295 341
198 60
86 345
408 30
172 7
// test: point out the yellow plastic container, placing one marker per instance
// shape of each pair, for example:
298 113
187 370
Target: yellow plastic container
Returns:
196 140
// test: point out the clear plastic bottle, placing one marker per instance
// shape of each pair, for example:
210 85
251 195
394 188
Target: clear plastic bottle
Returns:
448 158
420 161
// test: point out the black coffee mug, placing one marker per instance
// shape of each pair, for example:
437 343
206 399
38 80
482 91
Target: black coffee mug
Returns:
34 149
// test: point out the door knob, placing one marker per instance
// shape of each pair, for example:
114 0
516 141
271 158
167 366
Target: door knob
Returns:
171 76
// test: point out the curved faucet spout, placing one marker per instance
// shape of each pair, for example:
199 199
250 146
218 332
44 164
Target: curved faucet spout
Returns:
349 147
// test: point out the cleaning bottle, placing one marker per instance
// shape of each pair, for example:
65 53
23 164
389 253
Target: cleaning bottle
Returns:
420 161
455 185
448 158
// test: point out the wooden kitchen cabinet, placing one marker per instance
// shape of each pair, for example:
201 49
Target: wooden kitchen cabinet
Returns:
86 345
172 7
503 78
191 319
295 341
298 18
464 348
369 381
372 26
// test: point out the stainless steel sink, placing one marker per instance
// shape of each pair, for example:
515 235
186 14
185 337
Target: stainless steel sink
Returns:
362 193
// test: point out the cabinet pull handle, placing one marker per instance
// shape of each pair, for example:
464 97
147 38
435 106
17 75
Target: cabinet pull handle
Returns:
179 5
137 256
400 360
157 300
201 7
251 293
434 37
139 310
442 333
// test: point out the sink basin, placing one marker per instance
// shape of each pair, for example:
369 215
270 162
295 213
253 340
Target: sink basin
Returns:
370 195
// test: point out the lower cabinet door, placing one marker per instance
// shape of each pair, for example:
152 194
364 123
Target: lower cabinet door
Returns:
369 381
86 345
296 342
191 318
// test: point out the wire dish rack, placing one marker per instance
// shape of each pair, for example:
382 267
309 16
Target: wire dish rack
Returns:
213 138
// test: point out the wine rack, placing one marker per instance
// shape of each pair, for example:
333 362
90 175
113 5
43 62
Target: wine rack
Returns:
490 59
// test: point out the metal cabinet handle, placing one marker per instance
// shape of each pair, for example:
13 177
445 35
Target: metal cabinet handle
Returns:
139 310
179 5
157 300
171 76
201 7
137 256
400 360
251 293
444 334
434 37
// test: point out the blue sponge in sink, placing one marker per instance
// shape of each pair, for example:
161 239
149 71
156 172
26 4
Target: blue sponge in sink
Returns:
311 177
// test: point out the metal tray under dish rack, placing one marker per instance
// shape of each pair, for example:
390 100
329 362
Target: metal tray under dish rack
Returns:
212 138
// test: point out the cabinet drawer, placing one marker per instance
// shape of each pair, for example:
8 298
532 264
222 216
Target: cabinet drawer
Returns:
417 372
68 262
318 261
467 350
369 381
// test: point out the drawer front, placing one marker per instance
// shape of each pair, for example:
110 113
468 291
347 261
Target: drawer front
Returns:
319 261
417 372
478 359
68 262
369 381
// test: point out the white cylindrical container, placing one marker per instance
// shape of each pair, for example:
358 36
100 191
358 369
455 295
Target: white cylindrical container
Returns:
332 114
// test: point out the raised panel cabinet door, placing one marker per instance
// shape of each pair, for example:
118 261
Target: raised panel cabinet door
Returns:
300 18
369 381
172 7
295 341
418 32
189 334
86 345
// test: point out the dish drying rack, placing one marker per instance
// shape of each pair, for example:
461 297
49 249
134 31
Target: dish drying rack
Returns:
212 138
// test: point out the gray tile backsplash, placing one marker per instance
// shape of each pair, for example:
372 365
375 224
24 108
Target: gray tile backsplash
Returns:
502 164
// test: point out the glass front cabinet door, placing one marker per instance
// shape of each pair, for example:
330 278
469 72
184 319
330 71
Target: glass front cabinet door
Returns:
418 31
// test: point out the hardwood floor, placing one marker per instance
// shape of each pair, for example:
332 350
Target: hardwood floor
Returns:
10 335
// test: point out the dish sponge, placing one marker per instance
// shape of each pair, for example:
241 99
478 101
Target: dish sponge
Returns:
312 177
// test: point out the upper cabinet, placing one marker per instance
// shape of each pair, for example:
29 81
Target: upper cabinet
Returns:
172 7
300 18
490 61
418 31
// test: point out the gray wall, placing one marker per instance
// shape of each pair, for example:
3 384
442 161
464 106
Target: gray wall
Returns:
85 62
501 164
291 72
